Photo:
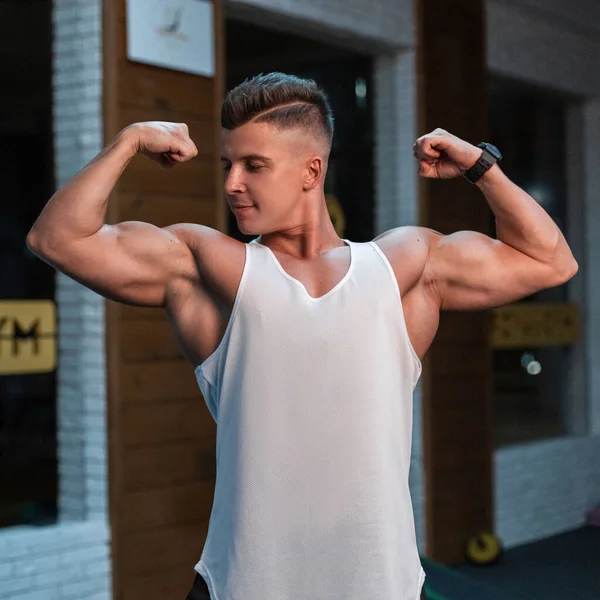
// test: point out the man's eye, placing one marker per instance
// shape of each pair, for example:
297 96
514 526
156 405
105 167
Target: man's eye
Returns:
253 168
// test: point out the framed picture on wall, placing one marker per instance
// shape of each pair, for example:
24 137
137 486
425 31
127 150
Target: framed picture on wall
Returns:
174 34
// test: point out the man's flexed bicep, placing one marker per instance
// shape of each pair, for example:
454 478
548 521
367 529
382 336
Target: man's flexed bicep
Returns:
471 271
131 262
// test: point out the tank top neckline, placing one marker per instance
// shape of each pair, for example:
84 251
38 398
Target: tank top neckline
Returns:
336 287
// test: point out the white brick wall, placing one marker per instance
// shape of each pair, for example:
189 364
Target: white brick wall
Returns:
545 488
397 203
81 402
81 376
580 15
71 560
366 24
416 478
536 47
63 562
591 193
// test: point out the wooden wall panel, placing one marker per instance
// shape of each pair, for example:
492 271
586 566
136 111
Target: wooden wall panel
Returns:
163 210
160 380
161 585
155 465
457 371
162 422
147 87
166 507
141 342
161 436
151 551
134 313
195 177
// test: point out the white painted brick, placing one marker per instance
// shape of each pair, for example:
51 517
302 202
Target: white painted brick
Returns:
83 555
87 28
95 419
70 574
30 565
96 509
63 15
94 437
106 595
541 49
397 204
395 118
85 587
369 25
14 587
100 567
95 487
91 12
97 470
559 484
74 506
45 594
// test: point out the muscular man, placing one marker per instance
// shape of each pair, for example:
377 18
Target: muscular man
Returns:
307 347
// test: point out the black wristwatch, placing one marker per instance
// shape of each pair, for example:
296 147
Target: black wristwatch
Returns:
489 157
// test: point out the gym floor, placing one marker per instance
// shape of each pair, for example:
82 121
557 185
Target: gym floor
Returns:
565 566
562 567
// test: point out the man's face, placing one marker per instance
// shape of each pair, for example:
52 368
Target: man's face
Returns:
265 170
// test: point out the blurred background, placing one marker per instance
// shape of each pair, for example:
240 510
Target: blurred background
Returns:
107 458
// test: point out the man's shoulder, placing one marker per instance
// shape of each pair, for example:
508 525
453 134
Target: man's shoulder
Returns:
408 238
407 250
215 253
202 237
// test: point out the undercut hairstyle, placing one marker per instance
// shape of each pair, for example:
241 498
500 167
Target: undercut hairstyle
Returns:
286 101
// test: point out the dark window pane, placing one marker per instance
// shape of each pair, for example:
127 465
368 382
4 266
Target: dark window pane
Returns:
28 464
529 126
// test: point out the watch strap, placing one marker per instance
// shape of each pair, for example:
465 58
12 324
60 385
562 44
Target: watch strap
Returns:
489 157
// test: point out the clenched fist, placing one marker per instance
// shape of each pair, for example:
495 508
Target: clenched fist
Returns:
166 143
442 155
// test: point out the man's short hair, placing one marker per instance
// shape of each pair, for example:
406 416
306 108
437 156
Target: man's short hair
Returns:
286 101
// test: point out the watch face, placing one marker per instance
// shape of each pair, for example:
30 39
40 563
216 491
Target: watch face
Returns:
493 150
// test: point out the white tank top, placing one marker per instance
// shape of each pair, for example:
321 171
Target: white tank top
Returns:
313 403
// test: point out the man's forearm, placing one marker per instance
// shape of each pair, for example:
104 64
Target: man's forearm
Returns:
78 209
522 223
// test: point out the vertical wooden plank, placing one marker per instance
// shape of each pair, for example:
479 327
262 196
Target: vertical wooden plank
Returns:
221 209
113 355
452 95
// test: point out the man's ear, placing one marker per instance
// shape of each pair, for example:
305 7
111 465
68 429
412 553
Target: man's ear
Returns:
314 173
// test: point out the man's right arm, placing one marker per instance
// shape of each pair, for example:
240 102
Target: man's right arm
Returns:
131 262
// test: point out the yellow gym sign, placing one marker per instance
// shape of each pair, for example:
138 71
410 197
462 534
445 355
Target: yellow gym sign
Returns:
27 336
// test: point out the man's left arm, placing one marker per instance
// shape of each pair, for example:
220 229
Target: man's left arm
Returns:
471 271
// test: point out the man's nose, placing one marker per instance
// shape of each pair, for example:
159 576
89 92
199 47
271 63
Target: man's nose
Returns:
233 183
